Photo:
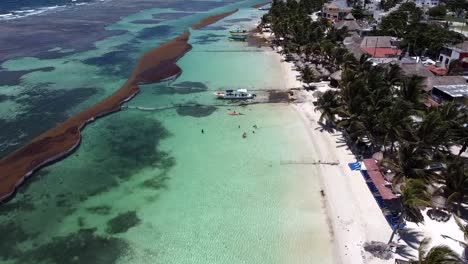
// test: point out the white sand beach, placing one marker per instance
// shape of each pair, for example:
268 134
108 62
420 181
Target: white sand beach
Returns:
353 214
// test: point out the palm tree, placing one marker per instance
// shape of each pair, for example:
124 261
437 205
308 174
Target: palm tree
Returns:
441 254
414 195
411 162
394 123
432 133
328 104
455 186
307 75
411 90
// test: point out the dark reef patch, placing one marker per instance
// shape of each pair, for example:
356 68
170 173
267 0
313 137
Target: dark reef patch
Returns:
11 235
155 32
157 183
4 97
20 204
182 88
237 20
14 77
215 28
122 222
169 16
195 110
194 6
146 21
43 109
208 38
126 143
100 210
115 63
83 246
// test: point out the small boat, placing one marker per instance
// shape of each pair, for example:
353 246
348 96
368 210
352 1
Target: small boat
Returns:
238 32
240 94
238 37
265 8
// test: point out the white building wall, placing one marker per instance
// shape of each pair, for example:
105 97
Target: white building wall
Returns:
426 3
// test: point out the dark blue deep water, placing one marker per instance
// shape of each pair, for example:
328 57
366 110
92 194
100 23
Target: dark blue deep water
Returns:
13 6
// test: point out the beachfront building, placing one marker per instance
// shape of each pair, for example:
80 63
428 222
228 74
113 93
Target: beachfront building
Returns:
335 10
383 49
350 23
447 93
426 3
456 52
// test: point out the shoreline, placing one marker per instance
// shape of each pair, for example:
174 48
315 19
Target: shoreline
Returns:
351 211
261 4
156 65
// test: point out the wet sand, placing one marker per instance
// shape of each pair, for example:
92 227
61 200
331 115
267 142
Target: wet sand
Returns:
156 65
261 4
212 19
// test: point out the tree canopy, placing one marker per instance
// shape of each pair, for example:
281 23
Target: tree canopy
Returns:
419 38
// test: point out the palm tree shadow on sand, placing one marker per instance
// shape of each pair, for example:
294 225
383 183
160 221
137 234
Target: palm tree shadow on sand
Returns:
325 127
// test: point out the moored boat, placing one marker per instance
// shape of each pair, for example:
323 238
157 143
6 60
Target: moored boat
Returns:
238 37
238 32
241 94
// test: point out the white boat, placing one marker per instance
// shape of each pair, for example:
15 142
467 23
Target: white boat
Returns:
240 94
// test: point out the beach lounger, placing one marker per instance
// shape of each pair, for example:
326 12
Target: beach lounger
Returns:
354 166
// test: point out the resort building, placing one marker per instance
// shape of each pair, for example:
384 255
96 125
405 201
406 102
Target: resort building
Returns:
456 52
350 23
383 49
456 93
426 3
335 10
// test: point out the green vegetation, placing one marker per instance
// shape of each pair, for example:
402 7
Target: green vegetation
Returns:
420 38
457 6
359 12
387 4
436 255
437 11
454 19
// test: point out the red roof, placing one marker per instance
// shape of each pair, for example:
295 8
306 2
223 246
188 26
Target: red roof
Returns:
378 179
381 52
437 71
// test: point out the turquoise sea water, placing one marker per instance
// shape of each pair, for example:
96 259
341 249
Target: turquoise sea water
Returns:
148 186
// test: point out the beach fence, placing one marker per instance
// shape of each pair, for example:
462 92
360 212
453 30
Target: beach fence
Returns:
309 162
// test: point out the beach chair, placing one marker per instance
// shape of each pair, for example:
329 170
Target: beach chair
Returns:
354 166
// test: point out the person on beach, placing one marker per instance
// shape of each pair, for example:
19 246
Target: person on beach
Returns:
244 135
202 131
255 126
238 126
